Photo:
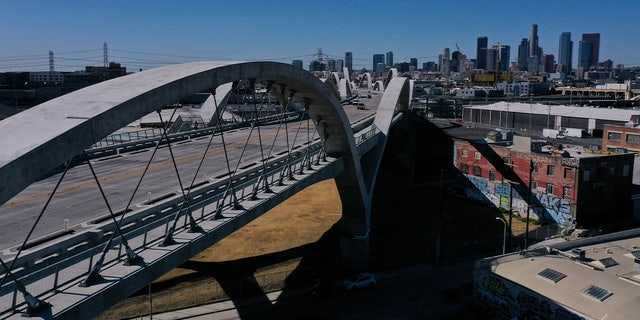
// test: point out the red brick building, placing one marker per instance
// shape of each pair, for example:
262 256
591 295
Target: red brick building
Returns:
619 138
563 184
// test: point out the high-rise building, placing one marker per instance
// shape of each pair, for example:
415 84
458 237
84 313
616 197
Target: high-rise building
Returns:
348 60
505 56
331 65
297 63
523 55
389 62
584 52
492 58
377 58
339 65
547 63
444 61
594 55
481 54
533 40
413 62
534 52
565 52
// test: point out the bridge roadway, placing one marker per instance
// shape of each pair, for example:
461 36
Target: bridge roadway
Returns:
79 202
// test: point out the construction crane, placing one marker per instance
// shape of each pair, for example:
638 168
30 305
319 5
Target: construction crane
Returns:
463 61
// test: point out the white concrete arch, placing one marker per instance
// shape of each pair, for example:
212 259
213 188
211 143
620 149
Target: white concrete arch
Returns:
367 76
55 131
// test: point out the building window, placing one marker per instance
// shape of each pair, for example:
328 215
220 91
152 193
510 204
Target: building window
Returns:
625 170
535 166
492 175
633 138
550 188
615 136
586 175
476 155
566 192
550 170
612 171
534 185
464 153
477 171
464 168
506 160
568 173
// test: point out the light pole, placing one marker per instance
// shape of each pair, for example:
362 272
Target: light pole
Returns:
504 235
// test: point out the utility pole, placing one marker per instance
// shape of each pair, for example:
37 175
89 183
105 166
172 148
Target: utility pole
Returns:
526 230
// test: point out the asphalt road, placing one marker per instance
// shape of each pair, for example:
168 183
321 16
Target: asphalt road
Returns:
79 200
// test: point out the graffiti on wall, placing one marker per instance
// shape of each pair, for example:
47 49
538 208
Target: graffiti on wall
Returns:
493 292
551 208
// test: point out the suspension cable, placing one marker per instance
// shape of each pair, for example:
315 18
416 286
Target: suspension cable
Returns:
24 243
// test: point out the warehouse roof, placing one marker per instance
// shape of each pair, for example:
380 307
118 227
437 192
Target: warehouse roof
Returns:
612 114
598 277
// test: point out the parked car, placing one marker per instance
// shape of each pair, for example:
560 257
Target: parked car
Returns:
359 280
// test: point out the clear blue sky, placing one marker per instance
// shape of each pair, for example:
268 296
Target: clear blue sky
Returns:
150 33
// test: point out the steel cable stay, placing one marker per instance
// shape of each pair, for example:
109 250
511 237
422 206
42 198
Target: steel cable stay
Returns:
34 305
286 134
94 275
193 227
307 156
262 177
282 119
290 148
218 215
132 258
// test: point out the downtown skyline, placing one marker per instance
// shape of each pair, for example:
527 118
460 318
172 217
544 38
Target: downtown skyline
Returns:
147 34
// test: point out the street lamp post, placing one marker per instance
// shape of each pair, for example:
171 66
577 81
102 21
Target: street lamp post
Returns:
504 235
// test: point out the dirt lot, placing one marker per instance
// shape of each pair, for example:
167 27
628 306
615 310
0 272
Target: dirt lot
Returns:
300 235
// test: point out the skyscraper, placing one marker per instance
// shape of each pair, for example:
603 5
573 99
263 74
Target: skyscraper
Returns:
505 56
594 55
389 62
348 60
565 52
584 51
377 58
523 55
481 54
534 58
547 63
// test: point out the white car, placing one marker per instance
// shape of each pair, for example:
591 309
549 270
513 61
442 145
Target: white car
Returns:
359 280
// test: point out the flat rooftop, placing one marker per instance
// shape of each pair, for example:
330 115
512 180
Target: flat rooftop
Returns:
605 284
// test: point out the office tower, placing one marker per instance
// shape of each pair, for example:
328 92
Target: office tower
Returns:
505 56
534 51
565 52
594 39
348 60
533 41
297 63
377 58
547 63
492 58
331 65
444 61
413 62
481 55
339 65
523 55
584 52
389 61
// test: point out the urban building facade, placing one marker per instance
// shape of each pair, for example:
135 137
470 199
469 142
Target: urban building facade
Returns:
563 184
617 138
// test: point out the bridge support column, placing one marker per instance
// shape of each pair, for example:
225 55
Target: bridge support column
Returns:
355 249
